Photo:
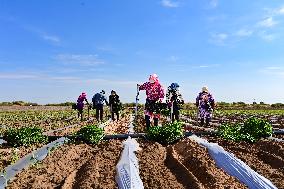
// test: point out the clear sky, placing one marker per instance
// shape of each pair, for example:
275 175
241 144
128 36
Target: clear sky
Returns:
52 50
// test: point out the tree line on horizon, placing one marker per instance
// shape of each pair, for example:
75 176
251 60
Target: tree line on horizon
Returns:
220 105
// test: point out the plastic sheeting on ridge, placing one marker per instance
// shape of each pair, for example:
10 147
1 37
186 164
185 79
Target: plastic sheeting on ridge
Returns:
60 129
127 169
2 141
276 139
34 157
234 166
131 126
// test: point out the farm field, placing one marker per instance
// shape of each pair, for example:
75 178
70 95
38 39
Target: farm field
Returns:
183 164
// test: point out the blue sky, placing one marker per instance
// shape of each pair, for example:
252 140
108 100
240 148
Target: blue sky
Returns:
51 51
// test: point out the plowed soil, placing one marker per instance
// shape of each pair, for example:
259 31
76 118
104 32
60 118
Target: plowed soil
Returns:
74 166
8 153
183 165
265 157
120 126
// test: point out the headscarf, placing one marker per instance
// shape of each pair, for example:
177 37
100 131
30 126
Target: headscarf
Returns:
83 94
155 78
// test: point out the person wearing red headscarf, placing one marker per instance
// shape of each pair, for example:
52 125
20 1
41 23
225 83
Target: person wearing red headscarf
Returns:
80 104
155 93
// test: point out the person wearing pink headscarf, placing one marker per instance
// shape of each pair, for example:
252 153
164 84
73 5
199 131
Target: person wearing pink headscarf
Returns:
155 93
80 104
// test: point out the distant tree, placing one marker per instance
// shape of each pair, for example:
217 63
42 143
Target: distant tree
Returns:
277 105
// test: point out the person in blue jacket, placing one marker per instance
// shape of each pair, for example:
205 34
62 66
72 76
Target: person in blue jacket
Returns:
98 103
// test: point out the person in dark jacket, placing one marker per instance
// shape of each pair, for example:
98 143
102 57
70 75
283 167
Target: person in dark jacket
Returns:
98 103
115 105
175 100
80 104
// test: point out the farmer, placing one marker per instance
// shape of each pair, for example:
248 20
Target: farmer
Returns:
155 94
80 104
174 100
205 103
115 105
98 104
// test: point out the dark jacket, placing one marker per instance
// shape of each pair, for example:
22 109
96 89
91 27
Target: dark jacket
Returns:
114 103
99 99
175 97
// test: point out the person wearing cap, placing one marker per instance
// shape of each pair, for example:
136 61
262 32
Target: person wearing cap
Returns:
155 94
174 100
98 104
115 105
80 104
205 103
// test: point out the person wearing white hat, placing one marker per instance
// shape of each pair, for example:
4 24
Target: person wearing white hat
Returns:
205 103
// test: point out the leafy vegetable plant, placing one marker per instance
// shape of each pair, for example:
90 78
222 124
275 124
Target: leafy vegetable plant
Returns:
166 134
24 136
91 134
251 131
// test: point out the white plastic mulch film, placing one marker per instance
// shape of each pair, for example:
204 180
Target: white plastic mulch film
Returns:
2 141
131 126
127 169
234 166
34 157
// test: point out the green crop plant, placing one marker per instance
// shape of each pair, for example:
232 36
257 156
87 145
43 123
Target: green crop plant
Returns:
91 134
252 130
25 136
15 156
167 134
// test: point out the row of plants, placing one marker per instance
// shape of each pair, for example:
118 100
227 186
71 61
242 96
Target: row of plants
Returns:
47 119
27 136
252 130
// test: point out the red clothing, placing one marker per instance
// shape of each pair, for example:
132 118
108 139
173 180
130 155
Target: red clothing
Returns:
154 91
